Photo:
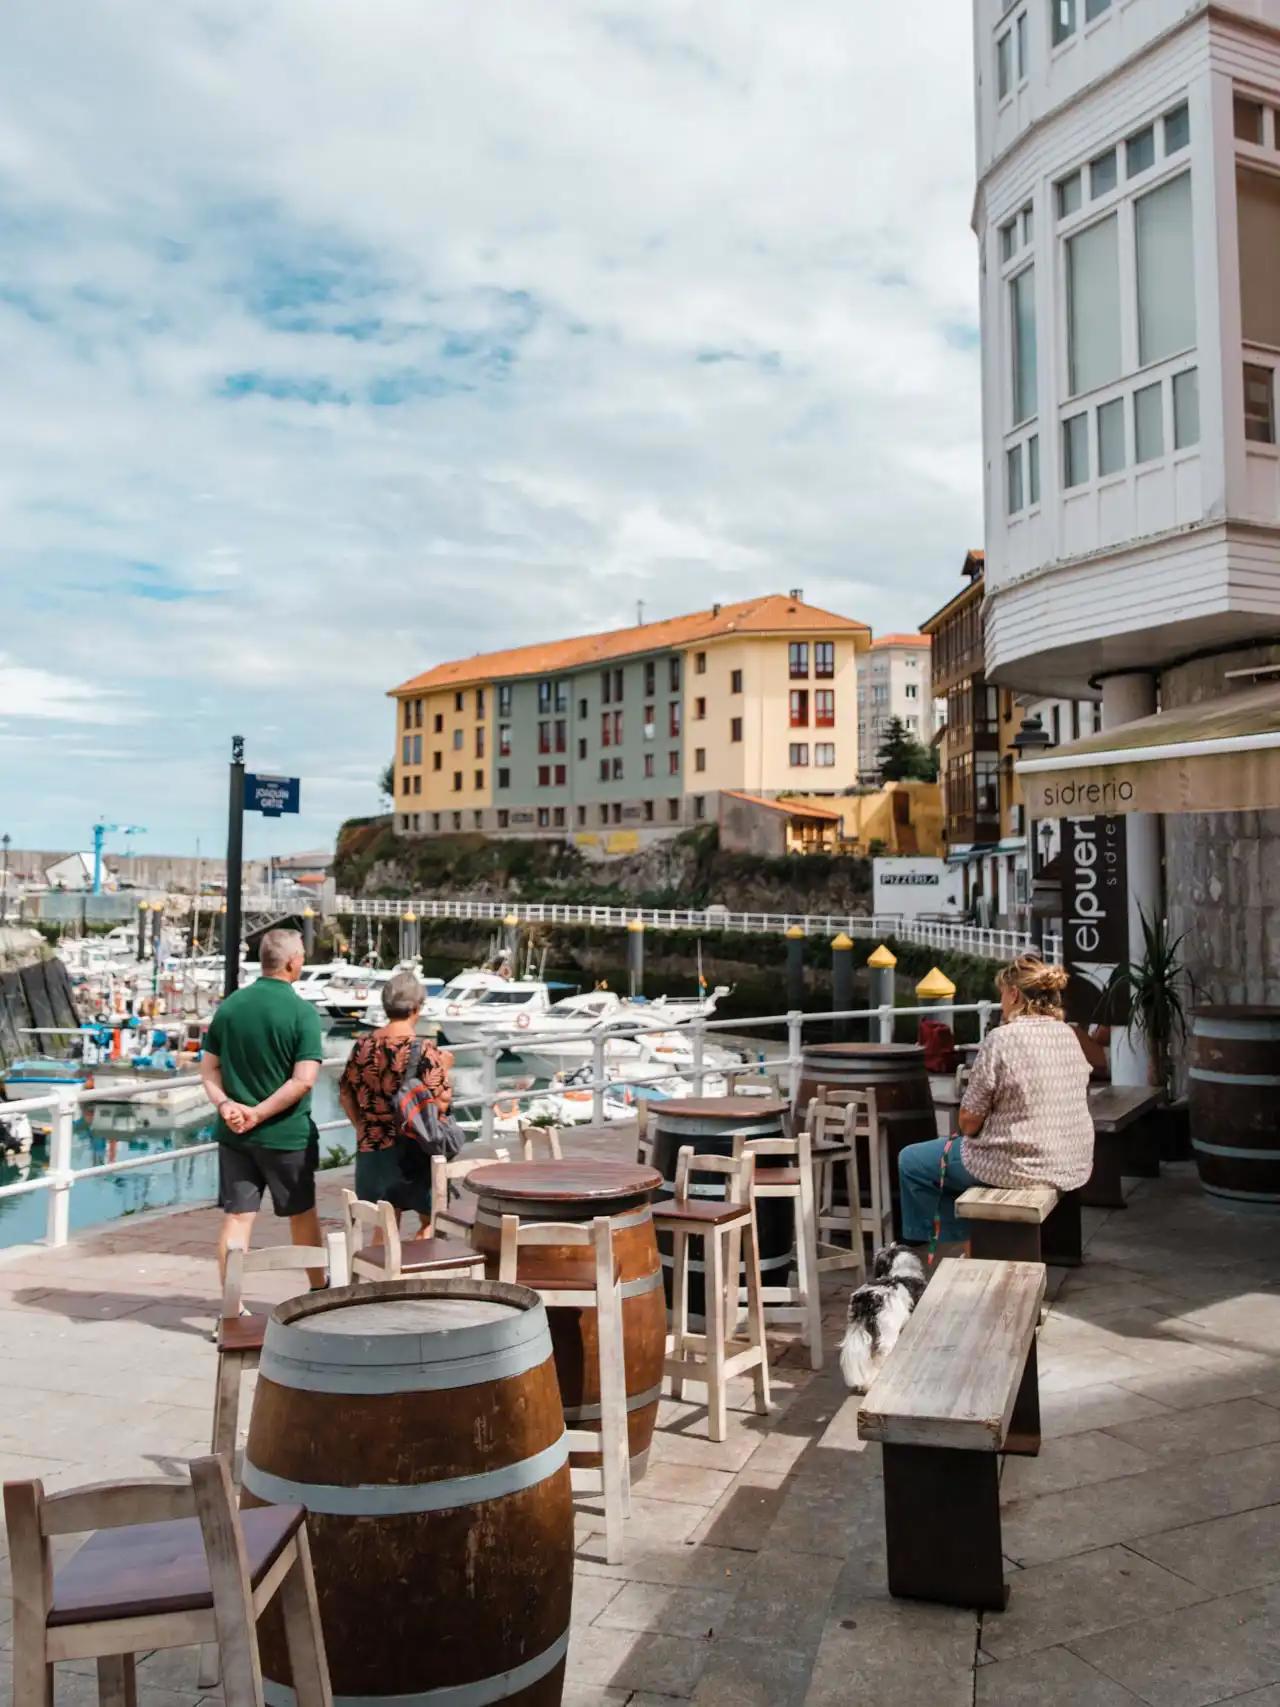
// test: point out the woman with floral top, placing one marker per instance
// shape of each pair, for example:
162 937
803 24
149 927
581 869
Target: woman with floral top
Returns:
1025 1116
387 1165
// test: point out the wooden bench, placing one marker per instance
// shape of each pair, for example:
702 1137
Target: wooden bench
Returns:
1026 1224
959 1387
1125 1141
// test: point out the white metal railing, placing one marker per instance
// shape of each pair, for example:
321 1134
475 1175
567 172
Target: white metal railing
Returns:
60 1178
968 939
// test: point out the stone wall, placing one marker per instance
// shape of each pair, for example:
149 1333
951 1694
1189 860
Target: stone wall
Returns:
1222 869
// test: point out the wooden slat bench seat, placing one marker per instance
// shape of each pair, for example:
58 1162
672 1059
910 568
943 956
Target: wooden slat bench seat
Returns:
959 1387
1026 1224
1125 1141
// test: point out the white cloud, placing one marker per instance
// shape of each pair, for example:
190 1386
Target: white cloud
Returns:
35 693
675 301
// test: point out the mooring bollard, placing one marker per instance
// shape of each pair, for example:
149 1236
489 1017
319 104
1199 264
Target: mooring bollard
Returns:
841 984
795 967
309 931
635 956
58 1226
143 911
880 974
935 990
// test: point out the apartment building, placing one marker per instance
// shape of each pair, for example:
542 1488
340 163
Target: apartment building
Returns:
894 681
1128 221
613 739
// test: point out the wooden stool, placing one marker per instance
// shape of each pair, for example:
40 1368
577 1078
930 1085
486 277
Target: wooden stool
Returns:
833 1133
240 1337
876 1218
533 1138
443 1223
724 1226
802 1302
384 1255
171 1564
1026 1224
613 1478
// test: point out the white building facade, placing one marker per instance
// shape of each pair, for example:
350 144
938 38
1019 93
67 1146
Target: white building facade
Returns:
893 681
1128 218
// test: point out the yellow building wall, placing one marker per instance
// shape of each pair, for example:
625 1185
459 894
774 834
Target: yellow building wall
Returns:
868 818
760 762
472 727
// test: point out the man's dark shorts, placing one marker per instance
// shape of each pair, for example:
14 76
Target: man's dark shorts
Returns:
245 1172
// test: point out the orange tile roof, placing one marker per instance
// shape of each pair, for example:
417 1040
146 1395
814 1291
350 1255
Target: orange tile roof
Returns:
902 640
792 808
775 613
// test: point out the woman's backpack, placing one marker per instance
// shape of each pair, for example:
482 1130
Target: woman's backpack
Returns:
418 1117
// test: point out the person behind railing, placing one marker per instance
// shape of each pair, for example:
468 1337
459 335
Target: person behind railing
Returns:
261 1059
390 1166
1024 1119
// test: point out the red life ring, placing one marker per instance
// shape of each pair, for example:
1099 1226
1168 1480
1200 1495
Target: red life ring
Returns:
522 1020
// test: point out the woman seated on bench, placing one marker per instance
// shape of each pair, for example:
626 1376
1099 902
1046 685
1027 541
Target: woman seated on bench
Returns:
1025 1116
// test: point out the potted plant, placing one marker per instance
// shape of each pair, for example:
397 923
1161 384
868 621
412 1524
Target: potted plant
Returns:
1149 996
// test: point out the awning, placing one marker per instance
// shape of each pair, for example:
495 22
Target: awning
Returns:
1222 755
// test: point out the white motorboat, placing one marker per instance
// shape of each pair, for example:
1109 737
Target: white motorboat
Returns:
632 1031
349 994
480 1006
312 984
375 1014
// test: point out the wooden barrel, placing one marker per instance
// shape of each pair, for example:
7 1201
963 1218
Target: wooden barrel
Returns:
1234 1073
579 1190
709 1125
896 1072
419 1423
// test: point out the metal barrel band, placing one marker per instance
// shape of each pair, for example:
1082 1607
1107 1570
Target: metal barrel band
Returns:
398 1499
406 1377
314 1346
635 1402
484 1692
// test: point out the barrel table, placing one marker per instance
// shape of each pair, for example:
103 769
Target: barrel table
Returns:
709 1125
896 1072
579 1190
419 1423
1234 1082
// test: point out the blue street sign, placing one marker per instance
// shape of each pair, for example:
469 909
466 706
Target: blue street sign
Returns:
271 795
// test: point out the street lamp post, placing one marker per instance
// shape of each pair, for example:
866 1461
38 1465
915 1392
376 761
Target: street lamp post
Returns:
4 882
1033 737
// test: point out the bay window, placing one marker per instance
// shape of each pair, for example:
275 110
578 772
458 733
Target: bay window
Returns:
1165 264
1093 306
1022 317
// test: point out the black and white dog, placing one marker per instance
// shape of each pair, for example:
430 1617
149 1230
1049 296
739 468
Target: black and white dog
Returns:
878 1312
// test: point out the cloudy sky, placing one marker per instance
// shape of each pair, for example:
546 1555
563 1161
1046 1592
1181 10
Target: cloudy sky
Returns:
338 340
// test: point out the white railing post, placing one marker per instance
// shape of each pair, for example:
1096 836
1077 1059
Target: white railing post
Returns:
61 1179
698 1028
984 1018
597 1080
488 1089
795 1049
885 1013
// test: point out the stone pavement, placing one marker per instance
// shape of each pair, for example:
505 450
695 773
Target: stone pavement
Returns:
1143 1543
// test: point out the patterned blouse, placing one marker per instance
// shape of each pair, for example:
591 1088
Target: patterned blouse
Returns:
1030 1084
373 1074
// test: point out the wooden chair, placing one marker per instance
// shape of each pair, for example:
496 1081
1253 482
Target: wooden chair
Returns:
240 1337
534 1138
646 1132
613 1478
171 1564
376 1251
443 1173
802 1302
833 1132
866 1135
726 1227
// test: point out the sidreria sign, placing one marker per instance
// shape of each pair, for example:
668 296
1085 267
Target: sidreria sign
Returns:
1095 909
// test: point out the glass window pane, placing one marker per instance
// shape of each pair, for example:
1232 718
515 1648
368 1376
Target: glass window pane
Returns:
1028 224
1259 413
1075 450
1022 310
1033 469
1166 271
1062 14
1007 236
1069 195
1093 306
1111 437
1013 480
1004 65
1102 174
1140 151
1148 423
1020 31
1186 409
1095 8
1248 120
1177 129
1258 225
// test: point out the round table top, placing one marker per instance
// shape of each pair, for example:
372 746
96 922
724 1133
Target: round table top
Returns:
853 1051
572 1180
727 1108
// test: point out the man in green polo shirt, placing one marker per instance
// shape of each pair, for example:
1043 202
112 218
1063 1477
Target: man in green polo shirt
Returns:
260 1061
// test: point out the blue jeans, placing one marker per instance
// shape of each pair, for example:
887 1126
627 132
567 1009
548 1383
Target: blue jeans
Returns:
918 1169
